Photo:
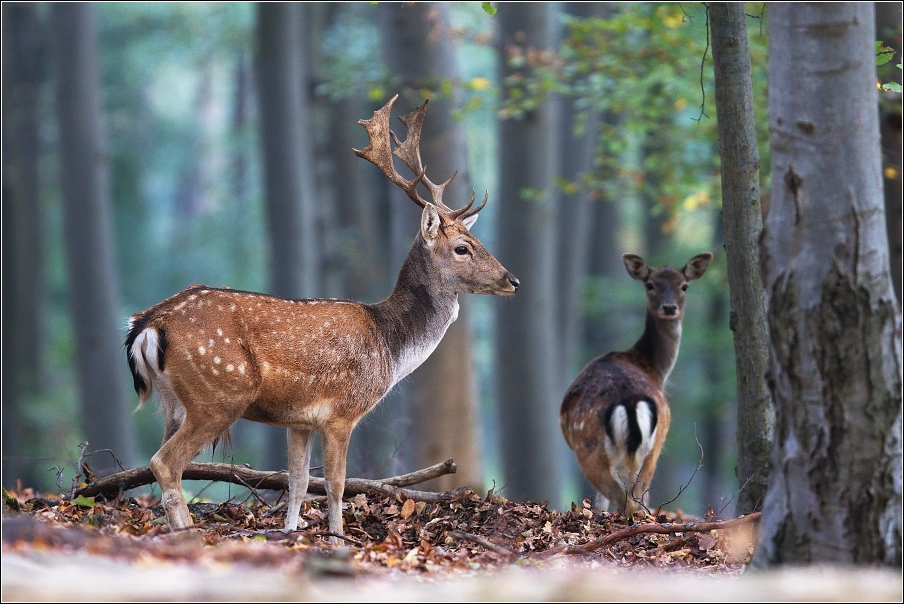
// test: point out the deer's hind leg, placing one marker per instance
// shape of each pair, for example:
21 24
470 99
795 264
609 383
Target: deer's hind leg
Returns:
196 431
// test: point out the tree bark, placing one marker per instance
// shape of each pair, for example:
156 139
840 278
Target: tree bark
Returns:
834 325
23 271
418 50
288 164
743 222
93 282
534 451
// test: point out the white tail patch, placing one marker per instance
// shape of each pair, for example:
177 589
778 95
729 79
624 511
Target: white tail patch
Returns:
625 465
144 352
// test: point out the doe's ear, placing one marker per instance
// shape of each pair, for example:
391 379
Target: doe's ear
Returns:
696 266
636 266
469 221
430 222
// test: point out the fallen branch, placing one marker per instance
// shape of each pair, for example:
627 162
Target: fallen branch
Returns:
497 549
652 527
256 479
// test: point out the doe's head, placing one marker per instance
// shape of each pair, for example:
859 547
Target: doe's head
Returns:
666 286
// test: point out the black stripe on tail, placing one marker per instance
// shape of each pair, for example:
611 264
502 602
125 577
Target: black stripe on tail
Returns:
635 438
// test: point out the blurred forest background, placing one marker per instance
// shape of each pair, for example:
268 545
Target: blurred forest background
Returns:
591 125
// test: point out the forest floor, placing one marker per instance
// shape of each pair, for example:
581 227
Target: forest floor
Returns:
472 547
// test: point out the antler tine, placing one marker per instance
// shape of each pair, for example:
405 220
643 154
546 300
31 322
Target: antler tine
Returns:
465 212
409 152
379 154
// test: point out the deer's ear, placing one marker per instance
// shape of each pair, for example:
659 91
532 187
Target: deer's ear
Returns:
469 221
636 266
696 266
430 222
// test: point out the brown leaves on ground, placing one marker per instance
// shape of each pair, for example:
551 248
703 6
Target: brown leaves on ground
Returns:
382 534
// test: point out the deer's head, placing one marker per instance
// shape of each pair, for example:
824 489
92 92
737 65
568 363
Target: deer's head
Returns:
465 266
666 286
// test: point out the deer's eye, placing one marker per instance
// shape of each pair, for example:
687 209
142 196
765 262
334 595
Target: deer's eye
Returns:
684 287
650 287
461 250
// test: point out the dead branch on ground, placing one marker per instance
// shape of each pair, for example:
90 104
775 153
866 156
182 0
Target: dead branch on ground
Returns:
651 527
256 479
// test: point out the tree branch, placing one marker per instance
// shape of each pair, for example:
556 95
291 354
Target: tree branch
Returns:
651 527
257 479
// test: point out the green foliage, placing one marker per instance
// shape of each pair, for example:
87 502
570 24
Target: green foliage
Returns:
488 8
647 71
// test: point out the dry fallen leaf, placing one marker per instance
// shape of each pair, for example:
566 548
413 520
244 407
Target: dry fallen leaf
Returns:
407 508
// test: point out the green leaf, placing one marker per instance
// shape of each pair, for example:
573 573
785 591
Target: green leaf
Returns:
488 8
85 502
884 54
892 87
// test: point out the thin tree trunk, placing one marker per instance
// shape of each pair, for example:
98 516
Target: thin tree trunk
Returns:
835 328
534 451
23 271
576 233
93 283
888 29
288 169
418 49
743 223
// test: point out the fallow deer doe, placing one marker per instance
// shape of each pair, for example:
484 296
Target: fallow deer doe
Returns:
314 365
615 414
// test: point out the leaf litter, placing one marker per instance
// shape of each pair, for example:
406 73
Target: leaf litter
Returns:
466 535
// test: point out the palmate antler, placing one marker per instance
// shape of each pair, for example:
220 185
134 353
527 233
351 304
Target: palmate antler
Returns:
378 153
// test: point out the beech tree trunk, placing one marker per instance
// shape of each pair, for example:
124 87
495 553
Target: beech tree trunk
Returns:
419 51
534 452
743 221
23 271
834 325
87 225
288 169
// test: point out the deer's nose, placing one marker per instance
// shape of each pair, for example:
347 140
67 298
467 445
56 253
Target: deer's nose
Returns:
670 309
514 281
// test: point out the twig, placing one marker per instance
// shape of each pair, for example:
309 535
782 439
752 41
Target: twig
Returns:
652 527
78 469
702 66
338 536
689 480
496 549
730 499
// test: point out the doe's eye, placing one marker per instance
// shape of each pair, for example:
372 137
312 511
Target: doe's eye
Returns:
461 250
650 287
684 287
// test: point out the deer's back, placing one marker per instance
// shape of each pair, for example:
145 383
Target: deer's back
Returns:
280 356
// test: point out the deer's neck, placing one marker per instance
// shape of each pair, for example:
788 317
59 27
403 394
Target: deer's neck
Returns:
415 317
659 345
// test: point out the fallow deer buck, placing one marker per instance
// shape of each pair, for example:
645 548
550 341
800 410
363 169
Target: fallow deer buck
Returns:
615 414
314 365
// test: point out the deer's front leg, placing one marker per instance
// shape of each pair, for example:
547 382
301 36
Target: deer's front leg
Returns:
335 450
300 445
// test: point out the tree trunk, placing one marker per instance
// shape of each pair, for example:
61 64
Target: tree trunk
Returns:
23 271
888 29
418 50
743 222
288 169
534 451
834 325
93 283
576 234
